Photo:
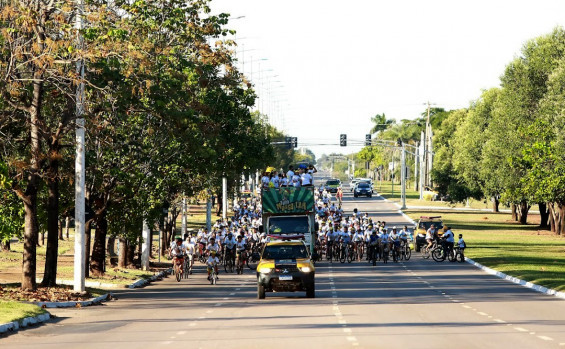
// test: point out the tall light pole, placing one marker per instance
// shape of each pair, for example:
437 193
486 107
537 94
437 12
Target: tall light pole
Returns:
80 173
403 176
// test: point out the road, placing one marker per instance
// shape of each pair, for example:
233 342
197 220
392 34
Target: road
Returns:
414 304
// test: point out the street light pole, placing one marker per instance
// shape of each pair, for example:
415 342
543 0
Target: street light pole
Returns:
403 176
80 174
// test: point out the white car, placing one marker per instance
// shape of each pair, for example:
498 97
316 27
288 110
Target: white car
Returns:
353 183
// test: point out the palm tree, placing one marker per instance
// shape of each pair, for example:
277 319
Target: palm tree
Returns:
381 123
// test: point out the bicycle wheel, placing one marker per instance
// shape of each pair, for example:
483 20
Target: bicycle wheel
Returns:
438 254
252 261
177 272
451 256
425 252
407 253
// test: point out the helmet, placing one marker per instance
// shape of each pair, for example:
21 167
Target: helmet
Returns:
213 252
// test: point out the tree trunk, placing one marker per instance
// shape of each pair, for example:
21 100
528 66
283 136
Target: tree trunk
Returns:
60 231
122 253
514 212
163 241
544 215
495 205
67 226
29 266
98 260
131 255
111 249
5 246
523 209
52 251
87 236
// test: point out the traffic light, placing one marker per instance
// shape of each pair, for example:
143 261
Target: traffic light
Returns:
368 139
288 142
343 140
294 142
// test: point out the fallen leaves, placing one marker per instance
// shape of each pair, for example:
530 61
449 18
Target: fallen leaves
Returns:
43 294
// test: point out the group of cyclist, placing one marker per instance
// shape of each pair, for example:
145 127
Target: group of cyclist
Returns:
447 239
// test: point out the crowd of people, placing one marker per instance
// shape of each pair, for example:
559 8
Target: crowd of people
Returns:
240 236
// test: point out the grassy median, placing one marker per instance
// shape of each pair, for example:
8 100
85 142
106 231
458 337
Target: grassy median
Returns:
495 241
14 311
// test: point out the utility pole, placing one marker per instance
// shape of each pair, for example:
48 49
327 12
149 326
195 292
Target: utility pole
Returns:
146 246
416 159
183 215
80 173
422 165
224 198
403 176
209 211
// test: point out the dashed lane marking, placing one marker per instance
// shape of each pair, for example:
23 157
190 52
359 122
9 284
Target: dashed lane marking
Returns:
238 289
500 321
225 298
192 324
545 338
180 333
232 294
481 313
520 329
218 304
347 330
466 307
351 339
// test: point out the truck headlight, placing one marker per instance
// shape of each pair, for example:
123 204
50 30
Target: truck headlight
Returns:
305 269
265 270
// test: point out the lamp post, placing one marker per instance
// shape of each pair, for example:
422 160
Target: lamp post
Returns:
80 173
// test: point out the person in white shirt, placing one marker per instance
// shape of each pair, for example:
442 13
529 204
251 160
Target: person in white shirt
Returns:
306 179
190 246
275 179
296 181
212 262
290 173
265 180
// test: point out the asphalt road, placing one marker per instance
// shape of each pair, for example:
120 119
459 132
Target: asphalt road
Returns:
414 304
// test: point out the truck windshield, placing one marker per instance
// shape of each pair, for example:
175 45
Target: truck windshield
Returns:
288 225
285 252
332 182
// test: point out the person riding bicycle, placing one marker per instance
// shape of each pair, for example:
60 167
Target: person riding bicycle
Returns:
430 235
240 249
395 243
229 243
178 252
448 240
190 246
212 262
213 246
373 242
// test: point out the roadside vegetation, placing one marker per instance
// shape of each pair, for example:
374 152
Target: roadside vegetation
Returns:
15 311
498 242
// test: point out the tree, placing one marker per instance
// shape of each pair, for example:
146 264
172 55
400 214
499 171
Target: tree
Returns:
381 123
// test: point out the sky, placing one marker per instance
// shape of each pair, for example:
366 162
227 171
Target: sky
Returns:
325 67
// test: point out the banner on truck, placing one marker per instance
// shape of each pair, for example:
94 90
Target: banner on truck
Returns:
287 200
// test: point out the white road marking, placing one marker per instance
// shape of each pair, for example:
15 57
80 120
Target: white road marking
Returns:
192 324
545 338
218 304
226 298
334 296
347 330
466 307
167 342
532 333
481 313
351 339
500 321
562 344
181 333
342 322
202 317
173 337
238 289
209 311
520 329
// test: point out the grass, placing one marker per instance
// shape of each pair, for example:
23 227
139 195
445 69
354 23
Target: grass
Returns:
517 250
413 197
14 311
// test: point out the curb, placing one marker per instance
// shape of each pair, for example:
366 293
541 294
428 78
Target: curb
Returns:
527 284
97 300
145 282
16 325
94 284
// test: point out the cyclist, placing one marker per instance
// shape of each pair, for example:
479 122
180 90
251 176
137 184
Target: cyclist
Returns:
190 246
177 253
241 248
212 262
449 240
331 237
228 244
213 246
461 243
358 241
373 243
339 195
395 244
430 235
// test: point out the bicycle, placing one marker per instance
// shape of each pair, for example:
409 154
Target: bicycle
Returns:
342 252
426 251
178 267
372 254
440 253
459 254
351 254
240 259
405 251
228 260
186 267
213 276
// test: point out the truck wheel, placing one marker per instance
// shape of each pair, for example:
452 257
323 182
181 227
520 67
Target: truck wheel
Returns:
311 292
260 292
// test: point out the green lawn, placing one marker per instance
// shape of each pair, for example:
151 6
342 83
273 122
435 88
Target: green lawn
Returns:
392 193
497 242
13 311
